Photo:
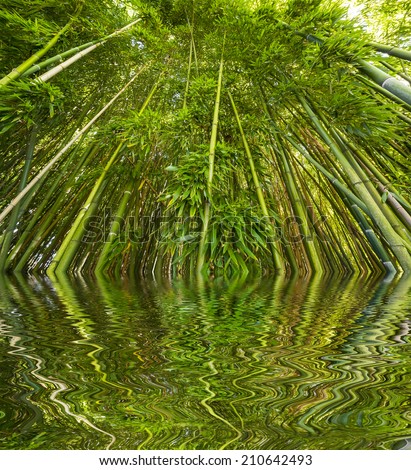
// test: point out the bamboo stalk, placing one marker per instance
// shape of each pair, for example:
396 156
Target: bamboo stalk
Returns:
188 75
333 260
386 81
59 68
45 223
117 223
385 209
67 250
45 170
274 247
387 94
393 69
15 214
27 232
63 55
333 180
211 157
16 73
191 26
395 242
393 51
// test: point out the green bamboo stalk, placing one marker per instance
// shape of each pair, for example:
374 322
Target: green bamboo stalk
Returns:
16 73
42 240
393 69
387 94
63 225
392 51
353 203
395 204
370 245
295 199
117 223
59 68
395 242
386 81
213 139
273 162
114 229
335 196
58 58
274 247
45 200
211 157
373 239
45 223
333 180
391 217
301 211
77 135
63 55
190 59
15 214
191 26
67 250
332 261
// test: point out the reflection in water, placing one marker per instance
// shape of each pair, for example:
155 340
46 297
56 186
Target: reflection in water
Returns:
239 364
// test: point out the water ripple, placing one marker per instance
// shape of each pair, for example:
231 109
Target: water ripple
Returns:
222 364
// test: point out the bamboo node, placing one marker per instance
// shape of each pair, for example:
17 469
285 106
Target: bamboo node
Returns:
362 182
386 82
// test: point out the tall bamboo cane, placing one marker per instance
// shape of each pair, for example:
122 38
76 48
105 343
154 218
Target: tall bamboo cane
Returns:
393 51
46 222
63 55
16 73
386 81
394 240
211 157
54 160
67 250
117 223
15 214
274 246
59 68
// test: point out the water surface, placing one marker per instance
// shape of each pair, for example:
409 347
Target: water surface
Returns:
234 364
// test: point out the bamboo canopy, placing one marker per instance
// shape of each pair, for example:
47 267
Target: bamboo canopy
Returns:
166 137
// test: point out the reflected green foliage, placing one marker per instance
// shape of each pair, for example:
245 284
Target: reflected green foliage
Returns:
235 364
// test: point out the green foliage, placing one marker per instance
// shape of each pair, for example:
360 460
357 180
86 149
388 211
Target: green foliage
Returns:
26 104
276 56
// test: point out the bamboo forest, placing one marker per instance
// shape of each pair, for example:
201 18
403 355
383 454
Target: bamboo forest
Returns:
205 224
